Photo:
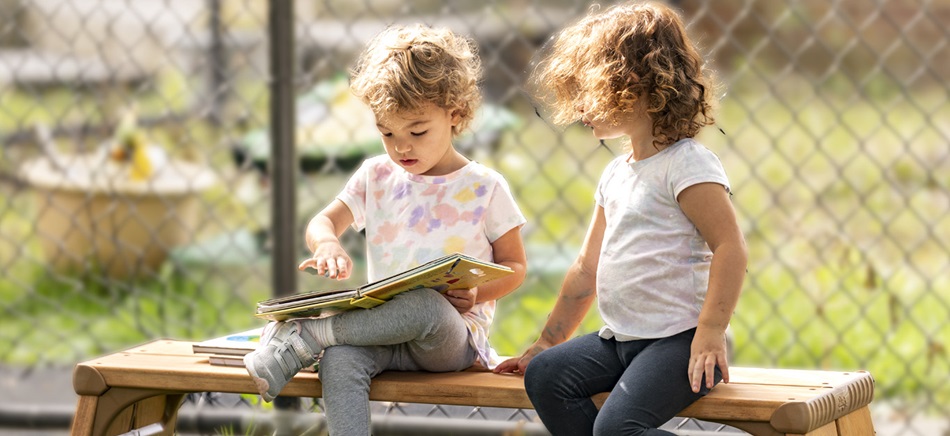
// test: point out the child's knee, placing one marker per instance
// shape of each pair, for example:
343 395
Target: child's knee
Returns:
426 301
421 296
539 374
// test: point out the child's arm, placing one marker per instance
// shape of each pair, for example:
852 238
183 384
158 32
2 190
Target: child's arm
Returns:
574 300
507 250
323 240
707 205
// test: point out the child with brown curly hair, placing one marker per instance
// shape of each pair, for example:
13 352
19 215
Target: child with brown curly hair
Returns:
664 256
420 201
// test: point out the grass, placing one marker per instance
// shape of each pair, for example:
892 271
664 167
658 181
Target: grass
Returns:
61 320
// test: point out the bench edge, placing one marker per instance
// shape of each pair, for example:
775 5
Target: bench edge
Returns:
805 416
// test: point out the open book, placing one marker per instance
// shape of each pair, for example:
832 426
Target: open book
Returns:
455 271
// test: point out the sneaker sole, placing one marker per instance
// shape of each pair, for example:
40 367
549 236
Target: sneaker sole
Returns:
259 382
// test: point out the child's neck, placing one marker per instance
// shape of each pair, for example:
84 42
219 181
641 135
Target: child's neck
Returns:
643 149
639 130
450 163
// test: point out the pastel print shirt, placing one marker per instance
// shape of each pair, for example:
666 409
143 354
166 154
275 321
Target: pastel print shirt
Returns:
411 219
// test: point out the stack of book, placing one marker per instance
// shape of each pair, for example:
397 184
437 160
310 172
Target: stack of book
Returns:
229 350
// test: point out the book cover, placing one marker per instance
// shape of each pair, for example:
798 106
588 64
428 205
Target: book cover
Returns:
454 271
226 360
238 361
235 344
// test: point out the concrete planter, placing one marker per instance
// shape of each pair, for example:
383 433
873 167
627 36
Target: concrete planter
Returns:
91 214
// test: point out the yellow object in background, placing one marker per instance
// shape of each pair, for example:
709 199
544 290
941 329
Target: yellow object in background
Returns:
131 147
141 164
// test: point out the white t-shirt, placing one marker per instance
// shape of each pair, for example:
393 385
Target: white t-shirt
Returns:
654 265
411 219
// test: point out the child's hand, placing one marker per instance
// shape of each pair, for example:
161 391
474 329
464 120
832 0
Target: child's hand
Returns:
517 365
462 299
706 352
329 261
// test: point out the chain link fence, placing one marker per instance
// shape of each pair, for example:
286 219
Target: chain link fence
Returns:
137 197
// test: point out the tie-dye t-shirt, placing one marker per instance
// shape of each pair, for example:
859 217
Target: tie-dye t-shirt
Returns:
411 219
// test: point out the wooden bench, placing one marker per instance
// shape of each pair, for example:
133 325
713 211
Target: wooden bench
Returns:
146 385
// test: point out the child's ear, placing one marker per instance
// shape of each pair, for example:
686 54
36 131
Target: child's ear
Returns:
456 115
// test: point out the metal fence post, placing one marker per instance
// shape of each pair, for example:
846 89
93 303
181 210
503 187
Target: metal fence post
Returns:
283 159
219 63
282 163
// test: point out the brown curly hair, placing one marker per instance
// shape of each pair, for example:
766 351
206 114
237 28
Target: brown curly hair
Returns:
608 61
404 68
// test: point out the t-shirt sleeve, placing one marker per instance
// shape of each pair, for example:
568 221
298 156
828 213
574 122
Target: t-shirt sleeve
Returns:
695 166
353 194
503 213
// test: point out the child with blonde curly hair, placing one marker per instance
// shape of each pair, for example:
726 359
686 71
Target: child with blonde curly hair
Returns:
663 256
420 201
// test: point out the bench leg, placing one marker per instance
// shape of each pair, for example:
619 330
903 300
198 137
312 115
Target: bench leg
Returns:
829 429
120 410
857 423
85 417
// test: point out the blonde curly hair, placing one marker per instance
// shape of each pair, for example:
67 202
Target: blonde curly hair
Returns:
404 68
608 61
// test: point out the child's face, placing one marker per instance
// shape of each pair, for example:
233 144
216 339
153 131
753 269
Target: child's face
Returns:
607 128
421 141
633 124
602 129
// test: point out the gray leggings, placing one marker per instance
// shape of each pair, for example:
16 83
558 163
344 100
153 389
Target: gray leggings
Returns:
416 330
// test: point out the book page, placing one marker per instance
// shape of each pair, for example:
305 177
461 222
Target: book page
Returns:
305 299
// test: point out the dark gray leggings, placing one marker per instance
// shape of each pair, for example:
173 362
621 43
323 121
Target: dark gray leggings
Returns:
647 378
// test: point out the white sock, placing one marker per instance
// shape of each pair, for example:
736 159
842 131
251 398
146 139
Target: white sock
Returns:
321 330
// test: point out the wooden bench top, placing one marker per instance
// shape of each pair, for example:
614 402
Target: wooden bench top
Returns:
756 400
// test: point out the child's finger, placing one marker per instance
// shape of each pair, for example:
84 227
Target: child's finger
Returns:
710 373
696 374
506 367
309 265
342 271
313 266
